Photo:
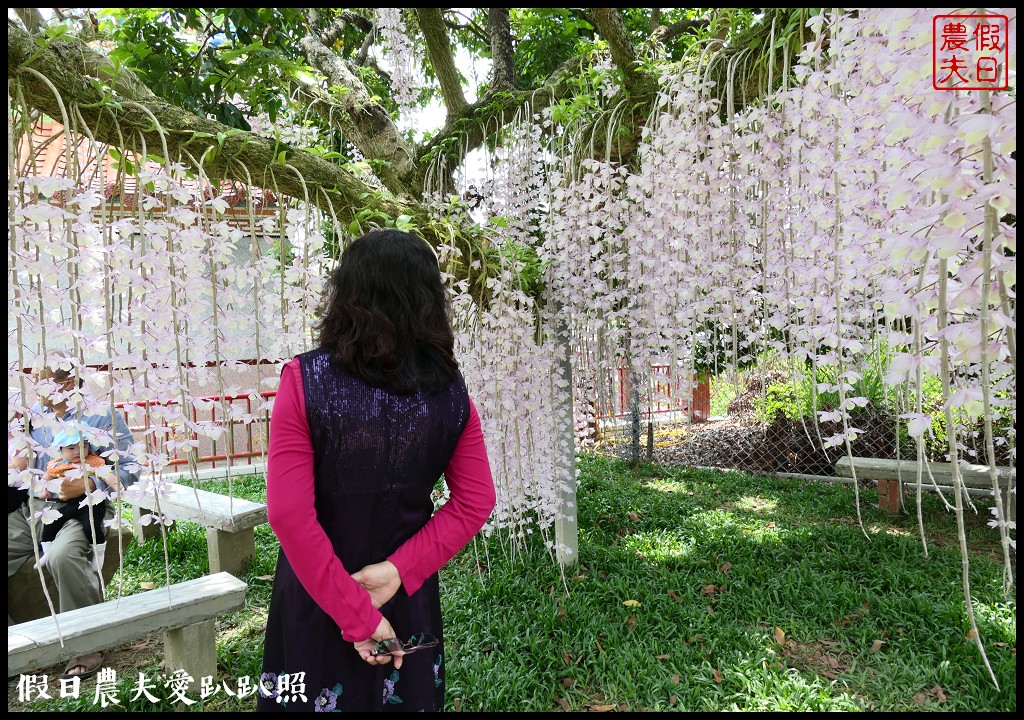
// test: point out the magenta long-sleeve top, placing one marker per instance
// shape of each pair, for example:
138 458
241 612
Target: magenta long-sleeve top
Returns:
291 513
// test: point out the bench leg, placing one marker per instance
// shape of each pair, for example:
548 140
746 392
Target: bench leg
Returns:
230 551
889 496
193 649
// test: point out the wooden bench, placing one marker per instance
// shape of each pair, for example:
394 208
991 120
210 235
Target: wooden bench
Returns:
229 522
889 473
185 612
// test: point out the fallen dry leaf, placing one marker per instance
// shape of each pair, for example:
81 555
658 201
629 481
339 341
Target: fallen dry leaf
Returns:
717 675
709 589
780 636
633 517
675 679
458 705
566 659
568 682
771 524
673 595
920 699
264 577
564 704
631 603
970 634
876 646
631 621
939 695
725 568
662 657
672 699
147 585
599 648
601 708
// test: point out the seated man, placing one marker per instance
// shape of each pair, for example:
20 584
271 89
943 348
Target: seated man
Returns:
68 558
92 514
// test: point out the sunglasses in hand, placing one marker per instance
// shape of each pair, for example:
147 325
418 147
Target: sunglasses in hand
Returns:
391 646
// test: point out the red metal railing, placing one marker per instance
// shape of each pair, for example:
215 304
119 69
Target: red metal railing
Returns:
666 395
145 421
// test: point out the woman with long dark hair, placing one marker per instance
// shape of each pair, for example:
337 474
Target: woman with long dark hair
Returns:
362 429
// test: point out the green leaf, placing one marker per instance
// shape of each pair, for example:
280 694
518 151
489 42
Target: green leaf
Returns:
229 55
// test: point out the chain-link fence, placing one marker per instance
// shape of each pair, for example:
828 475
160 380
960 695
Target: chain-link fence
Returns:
762 421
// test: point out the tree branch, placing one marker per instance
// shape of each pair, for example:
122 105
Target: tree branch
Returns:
462 135
665 34
330 34
502 54
367 124
364 53
655 19
609 23
336 27
751 78
125 119
32 19
353 18
470 27
439 50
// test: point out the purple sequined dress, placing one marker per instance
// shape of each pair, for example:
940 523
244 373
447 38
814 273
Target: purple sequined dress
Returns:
377 458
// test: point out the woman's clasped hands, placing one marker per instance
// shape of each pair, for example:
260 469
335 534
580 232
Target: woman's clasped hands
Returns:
382 581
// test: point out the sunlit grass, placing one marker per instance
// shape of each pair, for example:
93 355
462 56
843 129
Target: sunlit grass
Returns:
696 591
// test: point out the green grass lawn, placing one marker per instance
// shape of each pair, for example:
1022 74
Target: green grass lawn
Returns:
696 590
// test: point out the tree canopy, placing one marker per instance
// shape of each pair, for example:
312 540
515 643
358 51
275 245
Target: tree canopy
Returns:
193 82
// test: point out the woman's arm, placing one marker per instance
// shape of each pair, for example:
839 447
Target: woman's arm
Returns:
291 513
469 480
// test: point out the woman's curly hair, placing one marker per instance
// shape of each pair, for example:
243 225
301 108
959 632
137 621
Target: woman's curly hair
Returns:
386 316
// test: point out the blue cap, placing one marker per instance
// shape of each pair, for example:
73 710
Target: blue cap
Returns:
65 438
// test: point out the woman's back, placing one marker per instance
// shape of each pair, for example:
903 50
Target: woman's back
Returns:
376 454
362 429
